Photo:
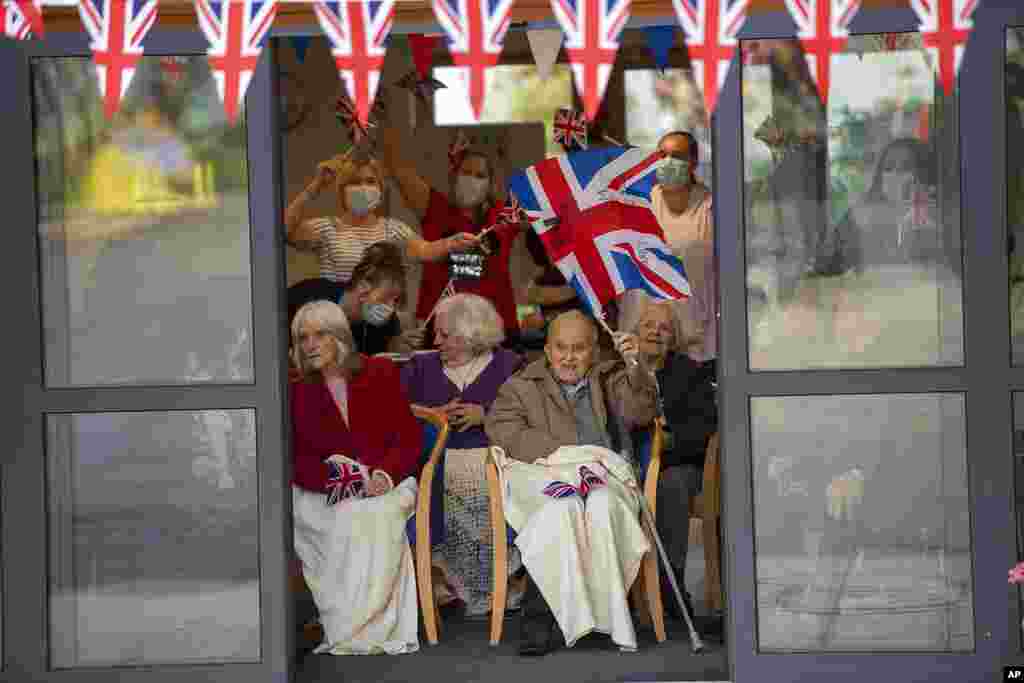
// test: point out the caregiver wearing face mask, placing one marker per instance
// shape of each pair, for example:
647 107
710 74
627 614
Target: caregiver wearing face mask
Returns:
477 195
340 240
372 298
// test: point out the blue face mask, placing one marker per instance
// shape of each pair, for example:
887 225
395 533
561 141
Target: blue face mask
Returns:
673 172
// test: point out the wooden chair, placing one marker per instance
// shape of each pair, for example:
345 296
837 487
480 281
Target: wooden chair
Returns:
647 582
708 507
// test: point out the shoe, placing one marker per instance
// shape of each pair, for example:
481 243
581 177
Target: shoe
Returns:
712 628
539 630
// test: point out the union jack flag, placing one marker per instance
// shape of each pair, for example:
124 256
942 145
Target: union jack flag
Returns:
945 27
345 479
117 29
560 489
570 129
822 27
358 32
591 29
711 27
592 211
512 212
21 19
236 31
345 111
476 30
588 481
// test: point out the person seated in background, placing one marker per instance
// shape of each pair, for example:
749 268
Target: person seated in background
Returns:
461 380
353 488
581 543
691 415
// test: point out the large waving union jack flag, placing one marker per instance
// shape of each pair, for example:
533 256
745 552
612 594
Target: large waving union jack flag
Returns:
711 27
21 19
591 29
592 211
476 31
117 29
823 30
358 32
346 479
945 27
236 31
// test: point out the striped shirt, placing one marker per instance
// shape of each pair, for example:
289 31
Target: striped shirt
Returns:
339 247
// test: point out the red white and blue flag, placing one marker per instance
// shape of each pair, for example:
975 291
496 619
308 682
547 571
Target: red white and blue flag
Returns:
21 19
476 32
711 28
592 29
117 29
823 30
236 31
945 27
588 481
560 489
592 211
358 32
345 479
570 129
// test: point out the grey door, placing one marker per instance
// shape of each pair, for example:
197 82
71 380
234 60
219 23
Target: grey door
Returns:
867 368
145 486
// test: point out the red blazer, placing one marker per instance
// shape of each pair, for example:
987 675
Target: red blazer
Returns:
384 434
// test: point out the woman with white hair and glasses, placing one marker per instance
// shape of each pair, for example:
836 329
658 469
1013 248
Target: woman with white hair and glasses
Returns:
356 448
462 380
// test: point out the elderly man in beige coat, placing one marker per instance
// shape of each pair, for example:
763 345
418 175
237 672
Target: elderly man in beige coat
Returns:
559 426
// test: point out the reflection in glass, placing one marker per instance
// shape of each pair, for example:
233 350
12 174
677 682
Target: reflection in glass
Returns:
852 212
861 516
144 227
1015 184
661 102
153 522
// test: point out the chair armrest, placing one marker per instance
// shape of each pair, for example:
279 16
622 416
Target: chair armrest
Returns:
654 465
494 491
426 482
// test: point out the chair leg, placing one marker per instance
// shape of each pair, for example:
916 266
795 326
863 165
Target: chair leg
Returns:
712 567
636 591
652 583
424 581
500 556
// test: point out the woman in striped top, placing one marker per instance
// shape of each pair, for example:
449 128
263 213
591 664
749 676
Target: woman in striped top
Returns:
339 241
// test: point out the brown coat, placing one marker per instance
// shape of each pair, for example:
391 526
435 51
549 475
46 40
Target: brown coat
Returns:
531 417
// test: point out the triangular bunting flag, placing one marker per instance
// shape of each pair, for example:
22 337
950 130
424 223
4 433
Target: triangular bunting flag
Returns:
945 27
659 42
236 31
592 29
357 31
711 27
422 48
545 44
823 30
21 19
300 44
117 29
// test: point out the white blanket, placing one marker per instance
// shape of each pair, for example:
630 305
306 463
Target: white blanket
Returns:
583 553
358 565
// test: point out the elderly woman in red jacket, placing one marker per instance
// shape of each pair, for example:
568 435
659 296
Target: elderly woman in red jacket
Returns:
356 448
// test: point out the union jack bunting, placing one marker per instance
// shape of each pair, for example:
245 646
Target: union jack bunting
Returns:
711 27
588 481
345 479
21 19
236 31
822 27
476 31
592 211
570 129
117 29
358 32
591 29
945 27
560 489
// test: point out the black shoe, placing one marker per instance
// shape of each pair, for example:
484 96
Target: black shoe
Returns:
712 628
539 631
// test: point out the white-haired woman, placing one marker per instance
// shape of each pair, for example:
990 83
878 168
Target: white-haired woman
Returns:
462 379
349 514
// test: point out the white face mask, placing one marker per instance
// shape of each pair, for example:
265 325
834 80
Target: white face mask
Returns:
377 314
898 186
673 172
362 199
470 190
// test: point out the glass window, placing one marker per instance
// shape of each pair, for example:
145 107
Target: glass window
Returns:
661 102
143 227
852 212
861 516
1015 184
515 94
154 555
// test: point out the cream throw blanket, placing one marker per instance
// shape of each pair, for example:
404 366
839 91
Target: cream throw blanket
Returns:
583 554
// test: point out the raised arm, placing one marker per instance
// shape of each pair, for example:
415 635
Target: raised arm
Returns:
300 233
414 190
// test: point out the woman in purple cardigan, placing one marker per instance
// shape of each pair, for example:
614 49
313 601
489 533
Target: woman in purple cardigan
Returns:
462 380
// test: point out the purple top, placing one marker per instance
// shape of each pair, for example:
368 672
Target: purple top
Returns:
427 385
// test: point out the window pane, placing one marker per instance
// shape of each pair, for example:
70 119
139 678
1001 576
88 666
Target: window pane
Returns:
861 516
1015 184
852 213
154 555
144 227
515 94
658 103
